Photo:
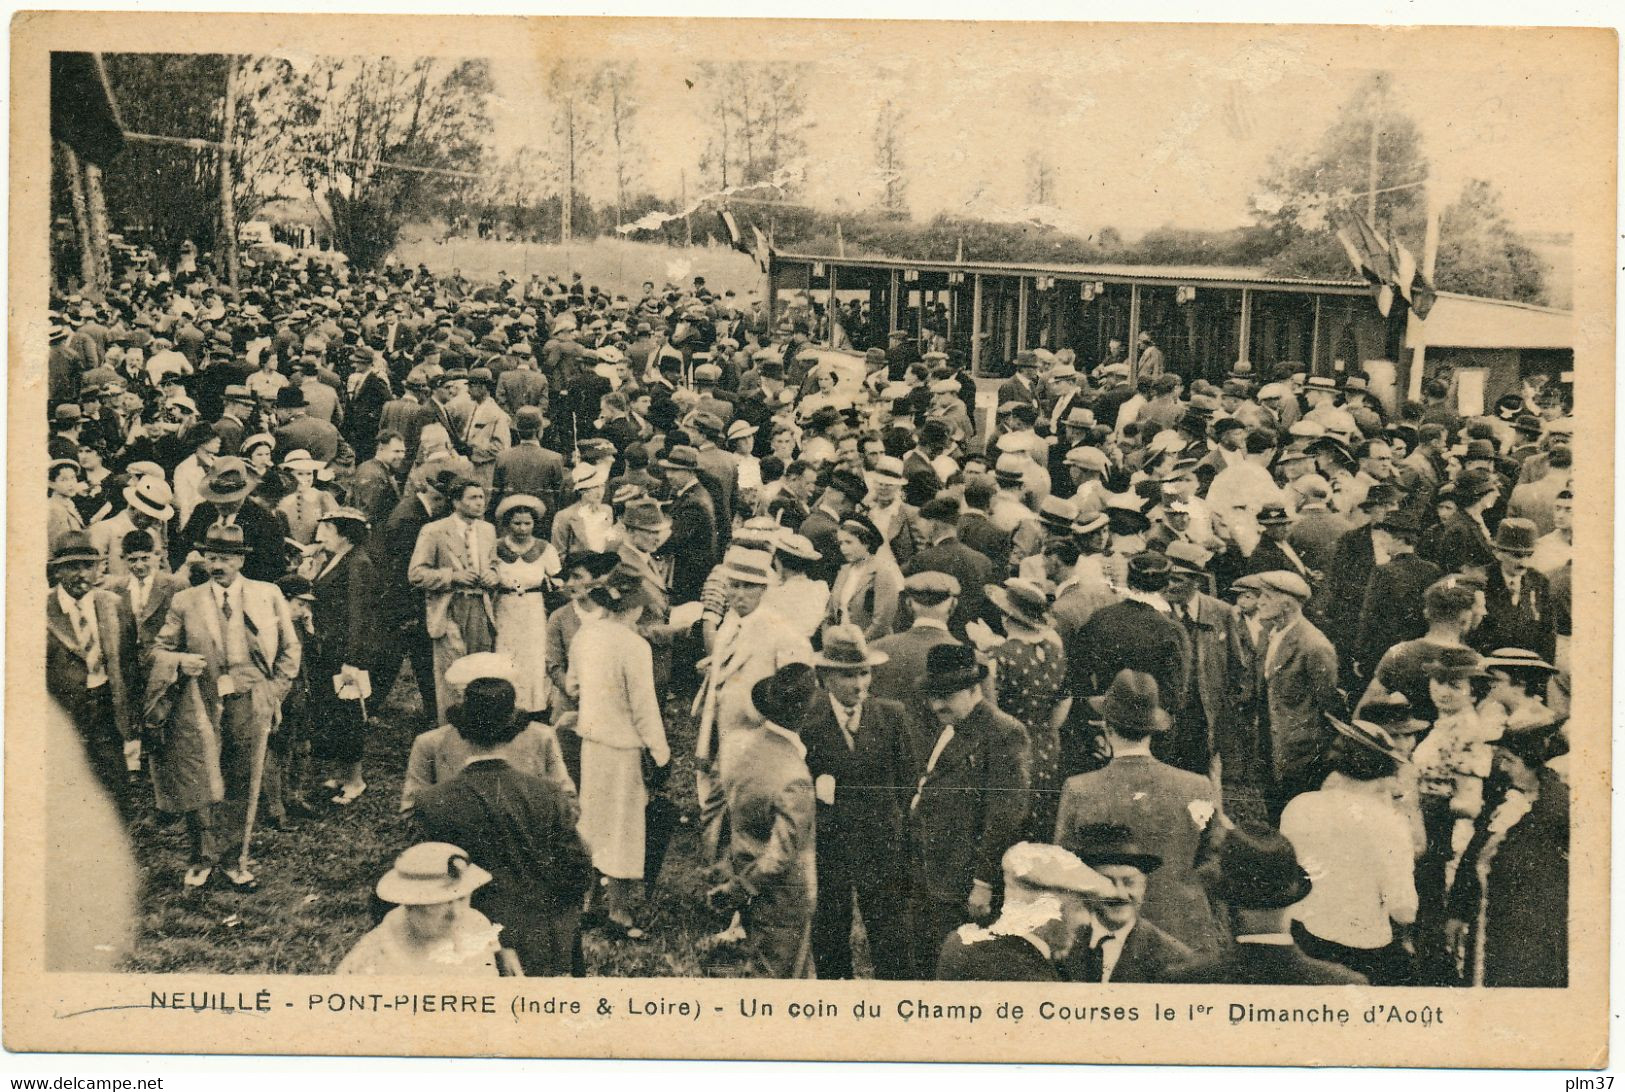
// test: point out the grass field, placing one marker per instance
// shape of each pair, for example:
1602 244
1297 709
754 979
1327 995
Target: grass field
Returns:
615 265
316 879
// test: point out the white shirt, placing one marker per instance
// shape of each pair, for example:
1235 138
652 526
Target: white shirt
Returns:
1110 944
848 717
89 632
1356 847
140 592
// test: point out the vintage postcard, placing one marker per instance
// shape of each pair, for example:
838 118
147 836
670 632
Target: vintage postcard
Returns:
810 540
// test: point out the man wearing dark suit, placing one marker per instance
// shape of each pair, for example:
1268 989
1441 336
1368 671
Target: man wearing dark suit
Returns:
1120 944
89 651
969 801
1392 610
1138 633
144 590
1026 945
299 431
976 529
376 489
1023 386
1211 735
841 496
939 518
1518 599
517 827
225 502
1275 550
1258 875
931 598
860 751
693 542
1342 593
528 467
400 606
408 414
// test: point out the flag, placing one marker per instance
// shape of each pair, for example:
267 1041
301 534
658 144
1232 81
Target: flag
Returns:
1410 282
83 113
736 238
763 250
1385 263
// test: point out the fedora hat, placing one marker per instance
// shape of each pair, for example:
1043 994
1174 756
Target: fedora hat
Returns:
1020 599
352 516
1132 701
1368 734
151 497
1149 571
950 668
225 540
431 873
291 398
1519 659
72 547
1124 515
229 480
1392 714
1275 513
783 697
1257 869
845 649
645 514
300 459
1099 844
680 457
1516 536
1058 514
1474 483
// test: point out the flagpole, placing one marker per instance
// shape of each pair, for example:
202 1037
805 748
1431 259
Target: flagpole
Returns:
1418 326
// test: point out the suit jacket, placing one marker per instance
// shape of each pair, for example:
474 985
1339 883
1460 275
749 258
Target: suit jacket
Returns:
1392 609
1218 670
407 416
899 678
320 438
972 954
1148 955
1268 556
820 529
1300 679
1341 595
970 567
977 531
1529 623
440 554
522 830
108 536
1129 634
151 619
192 624
1315 537
65 666
693 543
969 809
347 627
872 605
746 651
864 829
485 432
1015 389
1264 965
521 387
267 559
1153 800
528 467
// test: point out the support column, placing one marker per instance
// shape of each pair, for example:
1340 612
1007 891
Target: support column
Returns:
1314 338
829 309
892 309
975 326
1132 343
1021 313
1244 350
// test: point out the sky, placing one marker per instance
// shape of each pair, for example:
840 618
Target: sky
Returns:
1144 127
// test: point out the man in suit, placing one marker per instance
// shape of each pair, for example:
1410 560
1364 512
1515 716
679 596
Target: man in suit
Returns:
1023 386
1300 684
224 503
400 605
1392 610
522 386
693 542
1149 364
1120 945
719 470
516 826
486 430
144 590
1340 596
528 467
409 413
377 488
1315 534
90 661
1138 633
1211 735
944 553
298 431
452 565
1275 550
238 410
1169 808
647 526
236 638
841 497
931 598
147 507
1257 874
1518 606
860 749
969 801
1047 897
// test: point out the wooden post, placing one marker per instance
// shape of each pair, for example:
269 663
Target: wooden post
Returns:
1021 313
81 216
1244 350
228 209
1132 342
893 305
96 207
829 309
976 326
772 294
1314 338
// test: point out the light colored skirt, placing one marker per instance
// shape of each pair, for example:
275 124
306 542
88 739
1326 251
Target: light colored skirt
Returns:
612 802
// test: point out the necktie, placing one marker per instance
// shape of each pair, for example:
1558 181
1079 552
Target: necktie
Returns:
849 725
85 627
138 597
1092 962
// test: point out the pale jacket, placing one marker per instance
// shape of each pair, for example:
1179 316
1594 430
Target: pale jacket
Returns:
614 670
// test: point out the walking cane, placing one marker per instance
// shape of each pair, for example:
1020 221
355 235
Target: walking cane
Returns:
255 776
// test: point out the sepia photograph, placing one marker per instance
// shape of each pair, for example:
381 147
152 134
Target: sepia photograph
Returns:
672 501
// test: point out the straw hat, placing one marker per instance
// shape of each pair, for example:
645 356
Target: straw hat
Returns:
431 873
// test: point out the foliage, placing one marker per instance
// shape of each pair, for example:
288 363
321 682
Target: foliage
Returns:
756 114
426 112
1481 254
889 165
616 93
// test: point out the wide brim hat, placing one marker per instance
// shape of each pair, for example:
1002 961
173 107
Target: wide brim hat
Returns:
225 540
353 516
300 459
1520 659
1097 844
520 500
1257 869
785 696
1516 536
1088 523
844 649
588 476
431 873
1020 599
150 497
229 480
747 566
680 457
72 547
645 515
1368 734
1133 701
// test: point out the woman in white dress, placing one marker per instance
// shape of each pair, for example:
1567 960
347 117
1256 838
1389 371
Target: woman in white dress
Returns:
525 567
619 721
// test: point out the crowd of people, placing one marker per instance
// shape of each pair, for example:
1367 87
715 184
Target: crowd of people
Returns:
1121 677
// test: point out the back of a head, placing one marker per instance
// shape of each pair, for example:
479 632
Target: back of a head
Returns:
1359 762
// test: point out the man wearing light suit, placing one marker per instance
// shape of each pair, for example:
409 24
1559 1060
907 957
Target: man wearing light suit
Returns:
89 650
454 565
486 433
235 638
751 644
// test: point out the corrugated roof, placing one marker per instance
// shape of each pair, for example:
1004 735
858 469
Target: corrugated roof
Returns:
1113 271
1476 322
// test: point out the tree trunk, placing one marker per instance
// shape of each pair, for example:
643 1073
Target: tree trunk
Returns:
96 206
81 216
228 213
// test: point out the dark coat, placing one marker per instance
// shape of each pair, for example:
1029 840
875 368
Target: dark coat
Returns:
1130 634
820 529
528 467
1268 557
992 959
864 828
520 829
899 678
375 491
1524 922
1218 676
971 806
977 531
1300 682
65 666
407 416
262 532
346 625
1339 598
391 548
312 434
1529 623
1459 541
1148 955
970 567
1392 609
1264 965
693 543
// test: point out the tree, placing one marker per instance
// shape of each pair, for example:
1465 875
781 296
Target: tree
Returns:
1481 254
1040 178
615 82
574 93
756 118
889 160
385 139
